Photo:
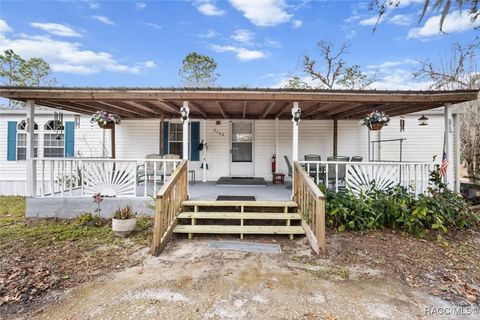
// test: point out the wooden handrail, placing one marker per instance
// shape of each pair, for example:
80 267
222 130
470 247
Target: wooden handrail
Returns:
168 205
311 206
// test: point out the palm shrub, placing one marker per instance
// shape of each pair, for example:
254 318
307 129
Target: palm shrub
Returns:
399 208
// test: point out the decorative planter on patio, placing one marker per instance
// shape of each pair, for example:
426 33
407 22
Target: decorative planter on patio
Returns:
376 126
123 227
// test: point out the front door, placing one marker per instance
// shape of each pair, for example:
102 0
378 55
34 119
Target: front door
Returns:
241 149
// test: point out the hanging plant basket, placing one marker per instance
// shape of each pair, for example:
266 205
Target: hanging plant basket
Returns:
375 120
376 126
105 120
108 125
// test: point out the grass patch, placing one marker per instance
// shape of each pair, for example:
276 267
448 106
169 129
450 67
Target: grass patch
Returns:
43 254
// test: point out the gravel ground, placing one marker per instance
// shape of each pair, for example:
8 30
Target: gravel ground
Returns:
189 281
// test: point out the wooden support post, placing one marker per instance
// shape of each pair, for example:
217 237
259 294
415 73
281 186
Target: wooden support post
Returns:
295 133
447 149
185 130
112 140
456 148
162 139
204 179
335 138
241 221
31 164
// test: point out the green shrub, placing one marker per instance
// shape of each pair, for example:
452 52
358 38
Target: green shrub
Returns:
398 208
124 213
87 219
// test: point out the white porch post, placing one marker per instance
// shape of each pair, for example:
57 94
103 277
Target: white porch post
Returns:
185 111
276 139
31 165
447 139
204 150
456 147
295 110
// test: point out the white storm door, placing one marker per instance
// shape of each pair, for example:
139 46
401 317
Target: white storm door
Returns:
241 149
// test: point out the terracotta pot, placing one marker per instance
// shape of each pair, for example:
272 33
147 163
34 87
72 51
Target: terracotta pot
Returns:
108 125
123 227
376 126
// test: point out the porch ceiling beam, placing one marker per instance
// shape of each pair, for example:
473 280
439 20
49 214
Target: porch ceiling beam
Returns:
338 108
283 109
367 96
409 109
66 107
267 110
244 113
168 105
157 107
222 110
321 108
128 108
199 109
85 104
140 105
356 111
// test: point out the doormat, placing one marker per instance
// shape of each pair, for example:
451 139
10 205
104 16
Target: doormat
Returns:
241 181
236 198
245 246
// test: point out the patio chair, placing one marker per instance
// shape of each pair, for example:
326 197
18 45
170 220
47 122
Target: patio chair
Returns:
170 166
289 166
342 168
356 159
313 168
145 175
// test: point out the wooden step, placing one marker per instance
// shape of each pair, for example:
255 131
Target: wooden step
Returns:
263 203
239 229
240 215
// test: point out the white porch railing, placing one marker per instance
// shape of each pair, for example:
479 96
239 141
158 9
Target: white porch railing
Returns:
81 177
359 176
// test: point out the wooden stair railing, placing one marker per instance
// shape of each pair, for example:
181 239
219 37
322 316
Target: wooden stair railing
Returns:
168 204
311 206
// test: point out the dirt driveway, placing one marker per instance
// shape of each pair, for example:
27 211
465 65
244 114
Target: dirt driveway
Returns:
190 281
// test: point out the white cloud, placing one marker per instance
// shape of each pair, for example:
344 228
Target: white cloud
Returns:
150 64
242 54
454 22
68 57
153 25
272 43
371 21
93 4
104 20
209 34
297 23
405 3
4 27
401 20
265 13
56 29
140 5
395 63
243 36
208 8
399 79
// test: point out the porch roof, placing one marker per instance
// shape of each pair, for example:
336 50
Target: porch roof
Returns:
236 103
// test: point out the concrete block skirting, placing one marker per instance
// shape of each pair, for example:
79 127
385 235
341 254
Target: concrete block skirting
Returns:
69 208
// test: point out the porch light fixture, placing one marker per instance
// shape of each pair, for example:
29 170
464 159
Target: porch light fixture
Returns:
423 121
184 112
296 114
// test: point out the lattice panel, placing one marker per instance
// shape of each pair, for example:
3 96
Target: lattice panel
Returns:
109 179
361 177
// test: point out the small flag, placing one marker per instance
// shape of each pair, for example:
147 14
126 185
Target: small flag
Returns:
444 165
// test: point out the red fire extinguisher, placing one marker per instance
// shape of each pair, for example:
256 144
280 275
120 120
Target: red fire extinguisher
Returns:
274 164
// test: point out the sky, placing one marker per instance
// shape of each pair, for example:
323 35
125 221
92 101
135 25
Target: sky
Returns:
256 43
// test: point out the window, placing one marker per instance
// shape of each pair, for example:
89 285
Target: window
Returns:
175 139
53 142
22 141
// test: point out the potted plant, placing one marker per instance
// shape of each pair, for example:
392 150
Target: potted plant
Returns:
124 221
375 120
105 120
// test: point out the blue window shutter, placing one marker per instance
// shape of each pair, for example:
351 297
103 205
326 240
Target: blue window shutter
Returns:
69 138
194 141
12 141
165 138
